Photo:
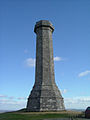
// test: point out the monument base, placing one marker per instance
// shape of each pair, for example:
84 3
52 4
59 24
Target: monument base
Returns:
42 99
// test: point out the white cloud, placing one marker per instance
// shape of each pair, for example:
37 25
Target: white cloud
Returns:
6 97
30 62
63 91
7 104
3 96
58 58
84 73
81 102
11 97
12 103
22 98
7 101
77 102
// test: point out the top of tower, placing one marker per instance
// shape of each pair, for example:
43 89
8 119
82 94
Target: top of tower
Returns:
43 23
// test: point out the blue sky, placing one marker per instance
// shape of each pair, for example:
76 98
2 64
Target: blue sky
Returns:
71 45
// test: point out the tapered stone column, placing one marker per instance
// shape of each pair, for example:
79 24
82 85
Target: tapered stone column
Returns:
45 95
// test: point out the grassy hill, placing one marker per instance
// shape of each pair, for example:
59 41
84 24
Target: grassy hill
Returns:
39 115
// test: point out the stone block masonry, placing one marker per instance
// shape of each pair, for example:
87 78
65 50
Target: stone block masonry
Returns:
45 95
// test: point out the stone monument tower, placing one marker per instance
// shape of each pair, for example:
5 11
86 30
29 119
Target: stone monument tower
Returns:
45 95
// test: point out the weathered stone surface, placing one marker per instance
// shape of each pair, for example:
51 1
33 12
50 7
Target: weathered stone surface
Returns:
45 95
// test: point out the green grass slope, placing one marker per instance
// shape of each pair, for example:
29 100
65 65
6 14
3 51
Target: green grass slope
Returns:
36 115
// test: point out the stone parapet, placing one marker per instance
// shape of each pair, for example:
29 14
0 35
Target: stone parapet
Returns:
43 24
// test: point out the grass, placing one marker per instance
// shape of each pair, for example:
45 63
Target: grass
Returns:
36 115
